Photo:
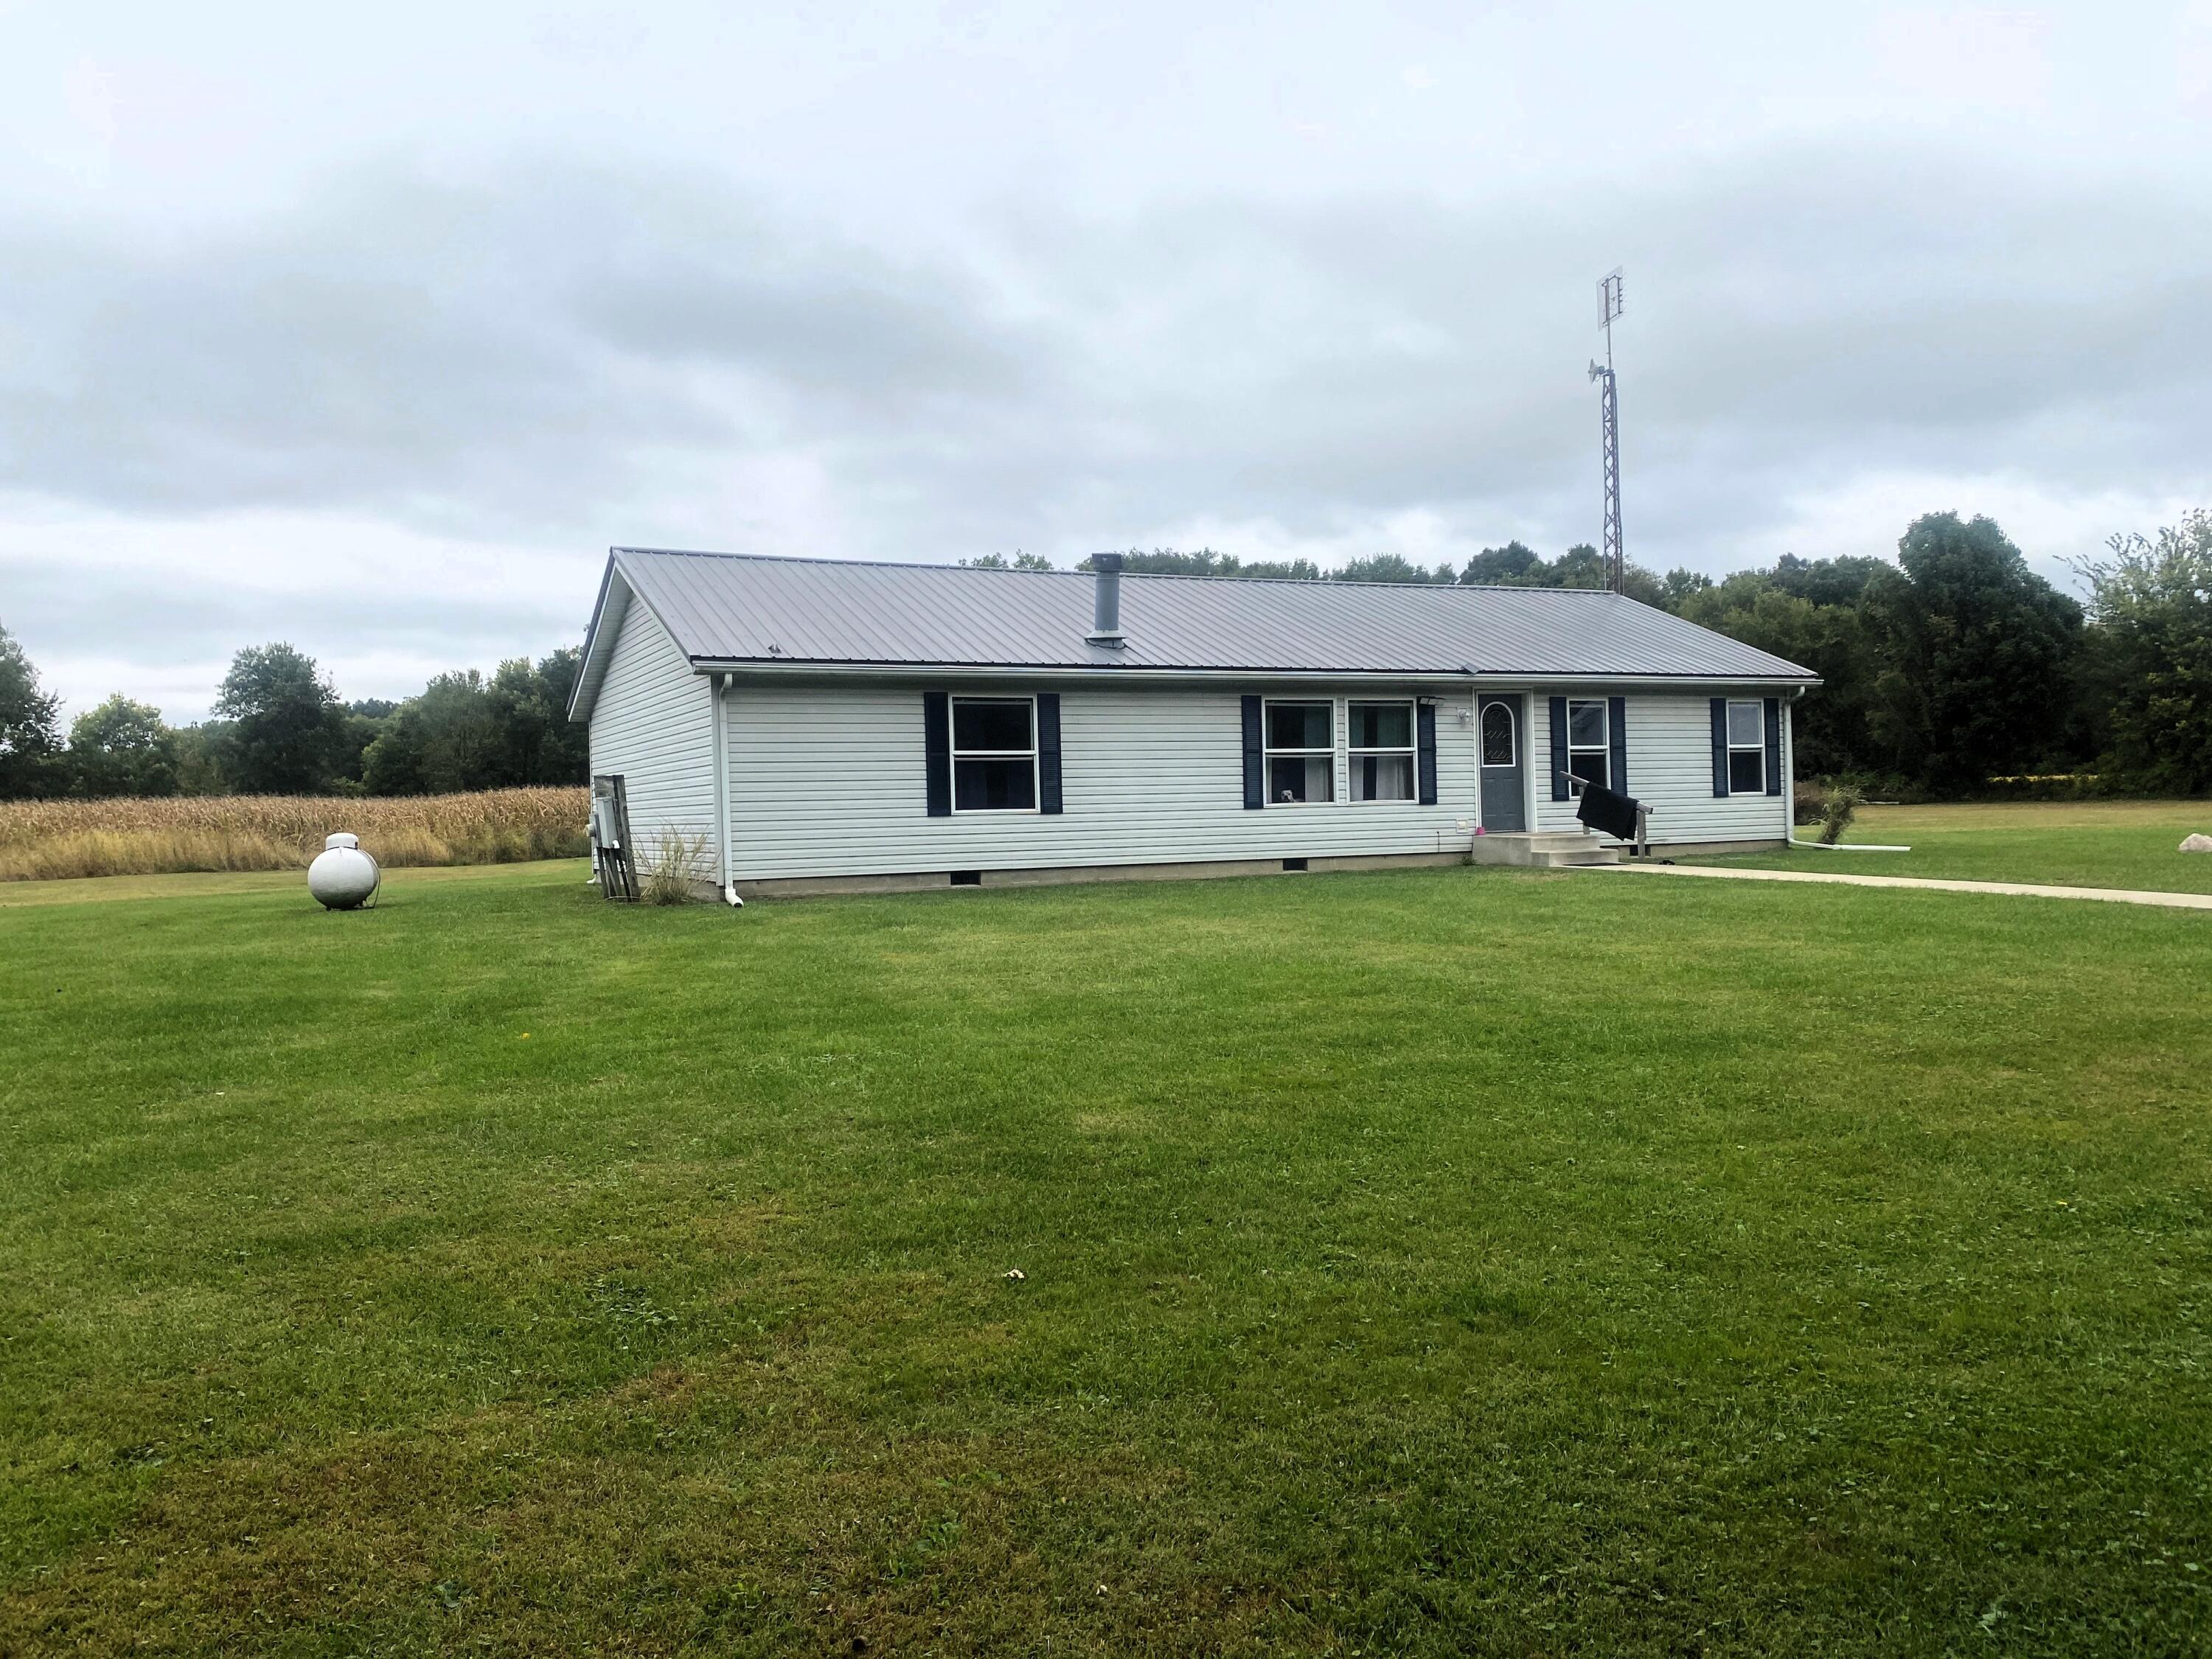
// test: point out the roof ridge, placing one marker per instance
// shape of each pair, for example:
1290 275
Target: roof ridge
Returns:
1147 576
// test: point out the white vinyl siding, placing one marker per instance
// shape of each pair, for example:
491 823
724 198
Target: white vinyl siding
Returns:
653 724
1670 769
827 779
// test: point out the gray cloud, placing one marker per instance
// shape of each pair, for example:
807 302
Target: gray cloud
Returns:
560 354
511 356
110 609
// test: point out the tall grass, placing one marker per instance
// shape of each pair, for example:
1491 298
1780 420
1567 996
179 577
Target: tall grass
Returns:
676 869
44 840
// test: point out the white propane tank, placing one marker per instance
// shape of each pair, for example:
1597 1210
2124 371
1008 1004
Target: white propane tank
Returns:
342 876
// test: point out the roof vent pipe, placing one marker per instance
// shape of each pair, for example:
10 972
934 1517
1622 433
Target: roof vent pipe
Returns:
1106 600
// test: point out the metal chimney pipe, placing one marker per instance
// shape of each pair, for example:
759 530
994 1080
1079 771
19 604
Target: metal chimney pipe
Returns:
1106 600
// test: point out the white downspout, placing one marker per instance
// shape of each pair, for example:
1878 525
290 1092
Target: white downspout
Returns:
1789 795
722 792
1475 733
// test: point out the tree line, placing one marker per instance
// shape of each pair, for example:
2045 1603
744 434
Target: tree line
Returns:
280 728
1954 665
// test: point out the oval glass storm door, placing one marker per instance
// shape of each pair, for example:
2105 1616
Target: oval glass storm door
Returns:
1504 794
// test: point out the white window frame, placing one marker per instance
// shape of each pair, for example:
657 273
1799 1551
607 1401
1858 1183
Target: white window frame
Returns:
1411 751
1503 705
952 739
1268 753
1735 748
1602 749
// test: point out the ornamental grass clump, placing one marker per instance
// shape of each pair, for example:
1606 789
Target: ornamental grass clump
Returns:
1838 808
675 871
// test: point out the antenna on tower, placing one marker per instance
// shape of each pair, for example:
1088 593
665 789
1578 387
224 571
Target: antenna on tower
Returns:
1608 305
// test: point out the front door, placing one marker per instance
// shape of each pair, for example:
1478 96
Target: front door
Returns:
1498 735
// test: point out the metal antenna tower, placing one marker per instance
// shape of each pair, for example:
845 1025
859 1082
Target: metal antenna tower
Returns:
1608 305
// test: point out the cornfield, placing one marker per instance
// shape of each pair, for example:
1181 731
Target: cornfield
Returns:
47 839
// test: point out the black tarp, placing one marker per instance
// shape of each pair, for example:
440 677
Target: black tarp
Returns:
1609 814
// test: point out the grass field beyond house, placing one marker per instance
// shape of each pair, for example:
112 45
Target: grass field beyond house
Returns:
2112 843
1422 1262
66 839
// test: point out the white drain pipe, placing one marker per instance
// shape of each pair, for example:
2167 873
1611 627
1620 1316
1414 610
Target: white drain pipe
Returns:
718 684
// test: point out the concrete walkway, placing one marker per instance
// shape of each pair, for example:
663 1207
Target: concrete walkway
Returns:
2109 895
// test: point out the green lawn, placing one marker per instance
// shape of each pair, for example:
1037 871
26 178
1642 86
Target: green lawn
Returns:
1420 1262
2133 843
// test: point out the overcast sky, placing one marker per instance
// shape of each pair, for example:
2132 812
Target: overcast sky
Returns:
371 328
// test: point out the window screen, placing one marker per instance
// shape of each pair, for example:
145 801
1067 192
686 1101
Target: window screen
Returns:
1588 756
1747 730
994 754
1382 751
1301 752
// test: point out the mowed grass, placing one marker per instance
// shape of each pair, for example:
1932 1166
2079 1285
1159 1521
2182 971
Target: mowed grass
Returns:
112 889
1420 1262
2119 843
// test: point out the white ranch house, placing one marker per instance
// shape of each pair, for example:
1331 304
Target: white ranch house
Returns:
827 725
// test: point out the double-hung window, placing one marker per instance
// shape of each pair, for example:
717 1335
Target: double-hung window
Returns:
995 755
1747 743
1589 751
1382 751
1301 752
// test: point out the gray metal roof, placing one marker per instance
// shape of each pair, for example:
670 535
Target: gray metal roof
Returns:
726 608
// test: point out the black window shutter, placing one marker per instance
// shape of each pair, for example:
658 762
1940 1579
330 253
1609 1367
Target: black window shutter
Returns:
1720 748
1425 723
1255 782
1616 731
1559 790
1047 736
937 748
1774 746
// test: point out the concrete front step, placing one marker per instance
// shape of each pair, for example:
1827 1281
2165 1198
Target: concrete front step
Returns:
1557 849
1579 858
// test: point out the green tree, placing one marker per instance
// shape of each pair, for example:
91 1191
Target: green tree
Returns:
1205 561
122 748
1580 565
1000 562
30 733
1978 655
363 722
537 742
2152 604
1832 640
1516 565
1829 581
1508 566
440 742
201 751
1680 586
287 727
1391 567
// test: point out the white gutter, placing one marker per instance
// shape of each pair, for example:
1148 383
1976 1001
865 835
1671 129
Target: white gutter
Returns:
1789 812
750 667
1494 680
